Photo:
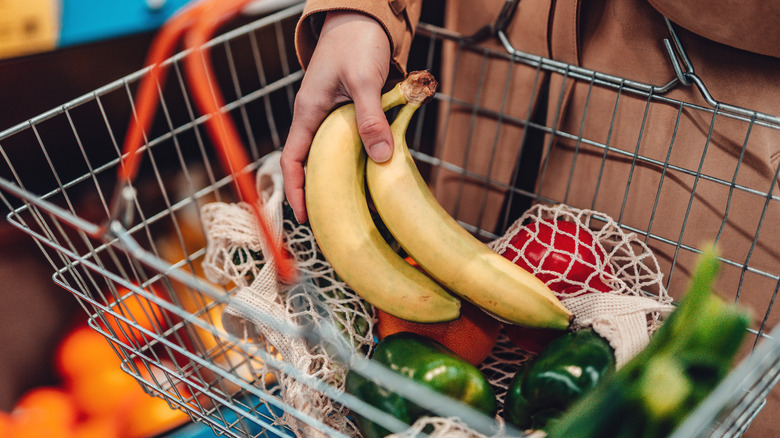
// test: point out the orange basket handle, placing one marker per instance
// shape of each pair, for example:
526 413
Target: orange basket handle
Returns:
196 25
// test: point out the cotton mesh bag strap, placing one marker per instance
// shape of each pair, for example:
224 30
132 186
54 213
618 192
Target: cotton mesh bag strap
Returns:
236 254
232 233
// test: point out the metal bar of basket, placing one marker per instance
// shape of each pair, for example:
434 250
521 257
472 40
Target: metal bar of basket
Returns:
764 359
188 279
404 386
604 79
60 213
119 83
269 359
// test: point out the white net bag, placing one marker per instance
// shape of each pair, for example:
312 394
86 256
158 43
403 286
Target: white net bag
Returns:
609 279
236 253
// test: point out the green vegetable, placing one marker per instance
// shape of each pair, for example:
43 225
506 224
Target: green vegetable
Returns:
427 362
684 361
548 384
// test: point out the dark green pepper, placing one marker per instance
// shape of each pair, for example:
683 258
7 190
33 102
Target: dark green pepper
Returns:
427 362
552 381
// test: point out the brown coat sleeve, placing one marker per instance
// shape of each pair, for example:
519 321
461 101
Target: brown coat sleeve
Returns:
397 17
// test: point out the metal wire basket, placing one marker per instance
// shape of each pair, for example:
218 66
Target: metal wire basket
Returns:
59 170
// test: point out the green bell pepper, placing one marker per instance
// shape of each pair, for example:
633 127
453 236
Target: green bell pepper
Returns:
427 362
553 380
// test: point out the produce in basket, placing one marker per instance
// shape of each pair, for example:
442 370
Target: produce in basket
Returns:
138 311
343 226
471 336
684 361
562 254
545 386
428 363
565 256
446 250
347 316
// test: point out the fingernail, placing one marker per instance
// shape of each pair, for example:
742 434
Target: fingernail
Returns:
381 152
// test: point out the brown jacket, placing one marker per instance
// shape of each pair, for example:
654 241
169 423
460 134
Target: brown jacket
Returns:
703 175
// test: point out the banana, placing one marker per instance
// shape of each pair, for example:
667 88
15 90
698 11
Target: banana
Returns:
342 224
449 253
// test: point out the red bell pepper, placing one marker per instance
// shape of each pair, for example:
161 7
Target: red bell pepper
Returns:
564 256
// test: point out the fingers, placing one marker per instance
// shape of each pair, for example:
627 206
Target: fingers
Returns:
372 124
341 68
296 149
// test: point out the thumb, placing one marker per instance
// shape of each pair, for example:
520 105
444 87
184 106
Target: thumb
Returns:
373 127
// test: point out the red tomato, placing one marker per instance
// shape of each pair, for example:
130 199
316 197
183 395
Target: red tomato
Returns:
561 254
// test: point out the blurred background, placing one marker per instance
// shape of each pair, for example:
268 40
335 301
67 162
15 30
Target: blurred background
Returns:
52 51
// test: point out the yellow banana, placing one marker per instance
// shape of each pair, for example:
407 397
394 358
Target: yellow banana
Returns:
343 227
449 253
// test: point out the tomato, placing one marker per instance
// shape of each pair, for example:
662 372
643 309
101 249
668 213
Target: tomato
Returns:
560 253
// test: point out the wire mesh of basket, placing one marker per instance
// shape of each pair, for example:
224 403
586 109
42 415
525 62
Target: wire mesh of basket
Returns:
140 279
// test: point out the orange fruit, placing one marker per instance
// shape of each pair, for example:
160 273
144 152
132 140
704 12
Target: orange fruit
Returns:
6 423
108 392
45 411
136 311
83 352
99 427
472 336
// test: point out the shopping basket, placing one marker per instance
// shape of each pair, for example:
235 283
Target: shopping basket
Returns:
59 177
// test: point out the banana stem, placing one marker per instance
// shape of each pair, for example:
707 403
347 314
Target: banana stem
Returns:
404 117
418 87
393 98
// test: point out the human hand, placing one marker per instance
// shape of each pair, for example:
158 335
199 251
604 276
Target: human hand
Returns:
350 62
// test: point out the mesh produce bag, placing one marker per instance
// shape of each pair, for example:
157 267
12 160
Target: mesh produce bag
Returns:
236 253
619 290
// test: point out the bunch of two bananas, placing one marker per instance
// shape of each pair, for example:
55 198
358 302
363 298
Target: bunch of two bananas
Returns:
337 171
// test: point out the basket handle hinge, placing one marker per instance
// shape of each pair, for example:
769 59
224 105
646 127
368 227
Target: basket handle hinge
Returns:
677 55
120 210
683 68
